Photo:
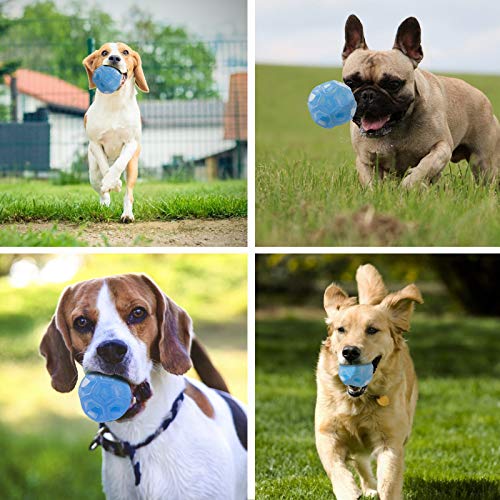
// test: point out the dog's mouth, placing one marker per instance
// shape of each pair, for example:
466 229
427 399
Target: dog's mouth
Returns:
354 391
124 75
140 395
371 126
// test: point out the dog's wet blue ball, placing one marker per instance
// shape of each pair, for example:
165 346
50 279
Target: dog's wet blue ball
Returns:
331 103
107 79
104 398
356 375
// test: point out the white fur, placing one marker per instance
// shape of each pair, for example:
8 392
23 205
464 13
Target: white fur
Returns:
114 131
196 458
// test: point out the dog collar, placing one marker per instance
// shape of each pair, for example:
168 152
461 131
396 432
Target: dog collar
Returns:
112 444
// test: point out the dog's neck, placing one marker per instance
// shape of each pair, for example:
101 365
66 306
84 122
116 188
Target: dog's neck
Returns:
165 387
118 99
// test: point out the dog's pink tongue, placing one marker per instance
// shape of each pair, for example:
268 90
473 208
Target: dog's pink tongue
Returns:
368 124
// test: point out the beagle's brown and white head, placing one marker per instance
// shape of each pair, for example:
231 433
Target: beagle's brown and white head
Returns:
120 325
121 57
368 329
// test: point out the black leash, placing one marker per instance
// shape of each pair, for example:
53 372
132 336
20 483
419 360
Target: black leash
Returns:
123 448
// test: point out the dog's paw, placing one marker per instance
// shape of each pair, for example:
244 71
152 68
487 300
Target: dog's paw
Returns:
370 493
413 179
111 183
105 200
126 218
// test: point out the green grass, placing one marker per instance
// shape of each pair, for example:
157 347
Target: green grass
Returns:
47 238
27 201
308 194
44 434
454 450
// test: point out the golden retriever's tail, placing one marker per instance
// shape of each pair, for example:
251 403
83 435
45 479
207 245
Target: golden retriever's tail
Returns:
371 288
203 365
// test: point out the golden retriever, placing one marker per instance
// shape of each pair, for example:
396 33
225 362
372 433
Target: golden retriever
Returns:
356 423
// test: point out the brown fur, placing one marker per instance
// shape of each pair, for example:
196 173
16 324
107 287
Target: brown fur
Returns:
133 60
200 399
353 428
446 119
166 330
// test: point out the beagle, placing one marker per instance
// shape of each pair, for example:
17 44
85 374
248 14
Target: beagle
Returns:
113 125
180 438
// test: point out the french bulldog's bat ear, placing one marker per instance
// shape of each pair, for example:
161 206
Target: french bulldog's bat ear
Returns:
354 36
408 40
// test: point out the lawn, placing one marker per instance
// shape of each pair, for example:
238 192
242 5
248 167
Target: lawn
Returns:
454 450
307 192
30 203
45 434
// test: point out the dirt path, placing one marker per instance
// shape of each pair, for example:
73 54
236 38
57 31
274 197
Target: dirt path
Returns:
195 233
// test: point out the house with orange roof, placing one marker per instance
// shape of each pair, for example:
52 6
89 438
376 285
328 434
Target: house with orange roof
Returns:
208 133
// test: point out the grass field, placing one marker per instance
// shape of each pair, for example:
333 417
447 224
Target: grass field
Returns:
307 192
454 450
44 434
40 201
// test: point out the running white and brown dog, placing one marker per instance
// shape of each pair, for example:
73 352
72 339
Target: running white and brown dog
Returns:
113 125
180 438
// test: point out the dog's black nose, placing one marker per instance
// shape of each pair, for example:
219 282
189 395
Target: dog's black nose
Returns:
351 353
368 96
112 351
114 59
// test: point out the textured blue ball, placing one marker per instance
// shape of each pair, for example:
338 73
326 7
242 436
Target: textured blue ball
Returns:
356 375
107 79
331 104
104 398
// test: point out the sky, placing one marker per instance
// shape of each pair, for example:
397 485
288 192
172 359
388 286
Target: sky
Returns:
460 36
203 17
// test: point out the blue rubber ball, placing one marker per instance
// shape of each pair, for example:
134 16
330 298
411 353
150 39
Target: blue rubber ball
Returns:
356 375
331 104
104 398
107 79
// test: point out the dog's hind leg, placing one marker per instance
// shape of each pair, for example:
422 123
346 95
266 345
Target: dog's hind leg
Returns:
368 481
95 177
131 177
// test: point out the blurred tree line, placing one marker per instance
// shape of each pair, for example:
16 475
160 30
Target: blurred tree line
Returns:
471 280
53 40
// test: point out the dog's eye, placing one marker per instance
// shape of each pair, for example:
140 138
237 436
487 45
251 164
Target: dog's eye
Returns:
83 324
137 315
394 85
125 52
341 329
104 53
371 330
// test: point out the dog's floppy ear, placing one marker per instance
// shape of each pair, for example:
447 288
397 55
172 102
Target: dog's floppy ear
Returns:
354 36
88 62
174 333
56 349
371 288
140 79
400 306
408 40
335 299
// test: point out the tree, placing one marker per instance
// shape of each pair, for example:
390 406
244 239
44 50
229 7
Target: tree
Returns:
176 65
54 41
50 41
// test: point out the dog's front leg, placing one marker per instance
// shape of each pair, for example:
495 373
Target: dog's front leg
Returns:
95 177
430 166
333 456
112 180
366 172
390 468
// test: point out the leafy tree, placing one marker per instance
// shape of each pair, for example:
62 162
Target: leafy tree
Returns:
47 40
54 41
176 65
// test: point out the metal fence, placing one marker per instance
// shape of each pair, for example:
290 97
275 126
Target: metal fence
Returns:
194 120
